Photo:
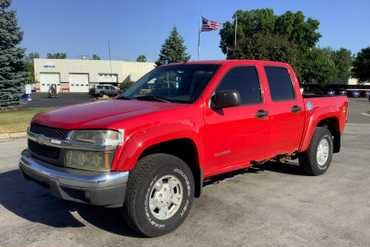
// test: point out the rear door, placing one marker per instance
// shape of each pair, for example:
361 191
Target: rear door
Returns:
106 90
234 136
286 110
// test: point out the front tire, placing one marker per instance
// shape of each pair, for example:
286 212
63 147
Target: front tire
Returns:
316 160
159 194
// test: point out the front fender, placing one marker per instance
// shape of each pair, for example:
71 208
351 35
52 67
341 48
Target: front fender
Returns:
136 143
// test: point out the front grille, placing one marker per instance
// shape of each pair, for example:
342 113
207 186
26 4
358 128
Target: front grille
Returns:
43 150
55 133
49 154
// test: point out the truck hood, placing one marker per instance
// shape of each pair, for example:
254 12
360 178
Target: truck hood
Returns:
98 114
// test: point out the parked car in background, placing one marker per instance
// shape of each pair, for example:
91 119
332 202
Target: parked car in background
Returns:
92 91
365 94
355 93
149 151
104 89
331 92
342 92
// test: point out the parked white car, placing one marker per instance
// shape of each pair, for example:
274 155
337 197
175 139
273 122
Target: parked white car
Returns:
105 89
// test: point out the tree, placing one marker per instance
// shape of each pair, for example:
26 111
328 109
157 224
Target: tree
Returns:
319 67
29 65
57 55
141 58
325 65
95 57
342 59
13 72
361 65
263 35
173 50
290 37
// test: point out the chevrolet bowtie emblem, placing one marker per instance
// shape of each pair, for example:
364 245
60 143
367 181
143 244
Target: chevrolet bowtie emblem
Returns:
42 139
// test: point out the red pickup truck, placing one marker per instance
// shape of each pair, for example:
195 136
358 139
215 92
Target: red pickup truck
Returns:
149 150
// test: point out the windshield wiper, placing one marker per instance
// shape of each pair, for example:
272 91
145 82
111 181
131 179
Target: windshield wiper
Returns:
123 97
152 97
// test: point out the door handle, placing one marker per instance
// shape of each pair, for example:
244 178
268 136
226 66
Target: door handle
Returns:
296 108
261 113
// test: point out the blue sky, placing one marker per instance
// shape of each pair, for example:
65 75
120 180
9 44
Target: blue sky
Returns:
83 27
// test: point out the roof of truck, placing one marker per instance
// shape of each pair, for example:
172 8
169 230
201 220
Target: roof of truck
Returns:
236 61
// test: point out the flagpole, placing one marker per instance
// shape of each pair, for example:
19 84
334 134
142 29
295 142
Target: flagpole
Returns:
236 27
200 26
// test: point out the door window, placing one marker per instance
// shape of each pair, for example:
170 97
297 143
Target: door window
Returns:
245 81
280 84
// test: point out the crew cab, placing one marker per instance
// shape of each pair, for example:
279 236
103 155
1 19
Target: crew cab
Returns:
149 150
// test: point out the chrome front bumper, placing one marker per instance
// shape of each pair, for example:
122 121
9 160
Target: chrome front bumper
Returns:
96 188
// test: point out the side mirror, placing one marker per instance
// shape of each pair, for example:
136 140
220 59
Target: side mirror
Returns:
227 98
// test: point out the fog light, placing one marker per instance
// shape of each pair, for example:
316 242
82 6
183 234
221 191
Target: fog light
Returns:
88 160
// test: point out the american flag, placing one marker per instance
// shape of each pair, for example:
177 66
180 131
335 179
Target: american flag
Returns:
209 25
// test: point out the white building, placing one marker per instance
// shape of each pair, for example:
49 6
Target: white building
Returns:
76 75
354 81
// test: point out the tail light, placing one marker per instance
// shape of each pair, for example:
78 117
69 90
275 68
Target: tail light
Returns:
346 110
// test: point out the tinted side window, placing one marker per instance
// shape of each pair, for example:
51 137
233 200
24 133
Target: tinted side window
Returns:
281 87
245 81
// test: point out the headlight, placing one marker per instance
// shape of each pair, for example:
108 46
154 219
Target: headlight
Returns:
92 149
86 160
97 137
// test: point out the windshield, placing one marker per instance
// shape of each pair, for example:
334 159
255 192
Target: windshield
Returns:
174 83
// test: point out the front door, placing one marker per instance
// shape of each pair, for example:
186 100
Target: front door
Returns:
234 136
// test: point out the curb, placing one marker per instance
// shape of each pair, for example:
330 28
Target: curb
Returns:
13 135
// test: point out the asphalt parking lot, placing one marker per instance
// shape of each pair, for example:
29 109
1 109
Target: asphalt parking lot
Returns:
273 206
42 100
358 107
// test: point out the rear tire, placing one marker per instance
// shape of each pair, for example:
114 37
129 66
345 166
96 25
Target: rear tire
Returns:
316 160
159 195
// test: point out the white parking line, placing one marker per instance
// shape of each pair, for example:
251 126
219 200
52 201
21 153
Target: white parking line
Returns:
365 114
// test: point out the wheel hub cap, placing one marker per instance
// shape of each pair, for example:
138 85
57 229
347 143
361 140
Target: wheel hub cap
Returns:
165 197
322 153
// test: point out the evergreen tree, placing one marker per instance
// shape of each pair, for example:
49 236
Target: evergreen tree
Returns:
173 50
13 72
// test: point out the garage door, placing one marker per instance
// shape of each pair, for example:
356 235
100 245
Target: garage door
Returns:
47 79
79 83
108 78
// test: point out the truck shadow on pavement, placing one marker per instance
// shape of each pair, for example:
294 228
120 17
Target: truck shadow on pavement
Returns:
288 167
34 203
